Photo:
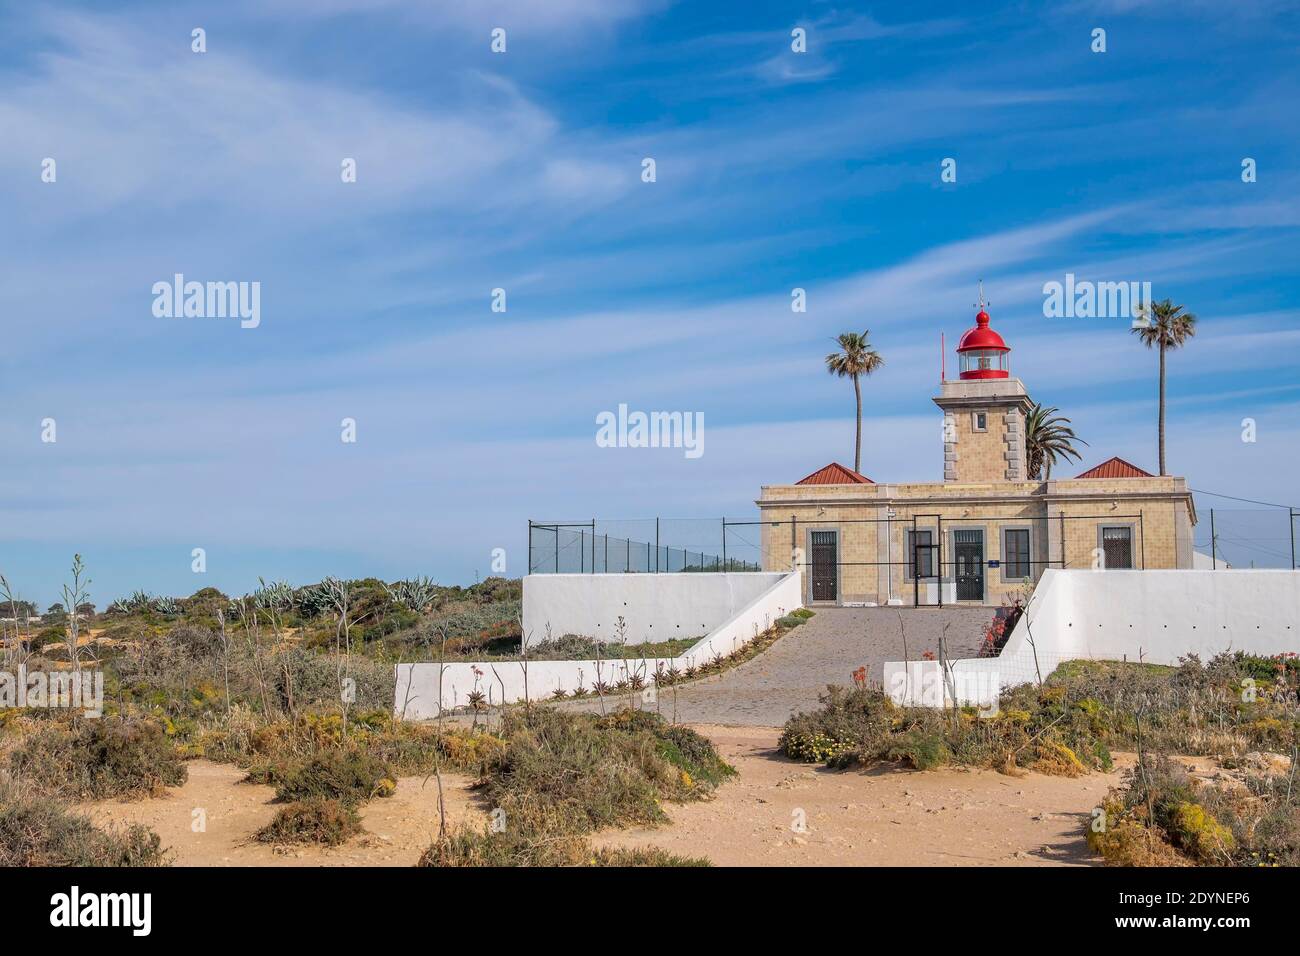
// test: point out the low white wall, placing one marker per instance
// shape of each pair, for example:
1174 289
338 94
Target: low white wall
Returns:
1152 616
418 695
655 607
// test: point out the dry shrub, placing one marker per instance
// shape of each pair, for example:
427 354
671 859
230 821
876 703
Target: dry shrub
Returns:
1128 840
1070 724
564 775
1162 816
96 759
314 820
467 847
37 830
350 776
1057 760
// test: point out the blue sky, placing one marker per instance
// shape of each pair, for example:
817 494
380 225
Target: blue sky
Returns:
522 171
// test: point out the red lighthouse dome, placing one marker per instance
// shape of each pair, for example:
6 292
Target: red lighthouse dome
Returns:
982 352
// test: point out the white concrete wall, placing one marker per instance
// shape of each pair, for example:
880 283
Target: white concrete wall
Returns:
655 607
418 694
1150 616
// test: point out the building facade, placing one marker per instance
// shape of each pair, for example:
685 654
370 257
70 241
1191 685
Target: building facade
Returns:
987 531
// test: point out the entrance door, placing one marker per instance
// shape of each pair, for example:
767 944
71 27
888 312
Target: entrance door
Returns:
825 569
969 548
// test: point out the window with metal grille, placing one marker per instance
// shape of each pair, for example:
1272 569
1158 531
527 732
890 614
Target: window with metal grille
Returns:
921 540
1117 547
1015 553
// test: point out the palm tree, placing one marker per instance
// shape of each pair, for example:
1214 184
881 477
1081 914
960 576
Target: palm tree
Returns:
1048 437
1166 327
855 358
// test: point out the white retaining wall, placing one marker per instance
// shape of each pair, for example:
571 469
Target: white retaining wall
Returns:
655 607
765 598
1152 616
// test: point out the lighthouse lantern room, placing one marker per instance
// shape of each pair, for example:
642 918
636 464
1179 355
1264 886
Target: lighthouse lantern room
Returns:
982 352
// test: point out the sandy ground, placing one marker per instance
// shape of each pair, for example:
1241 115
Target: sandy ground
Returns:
398 828
885 817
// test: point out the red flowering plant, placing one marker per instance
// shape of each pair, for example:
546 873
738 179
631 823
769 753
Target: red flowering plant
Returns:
999 630
860 678
993 638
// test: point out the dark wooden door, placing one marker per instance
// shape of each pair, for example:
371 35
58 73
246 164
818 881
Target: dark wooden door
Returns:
825 566
969 548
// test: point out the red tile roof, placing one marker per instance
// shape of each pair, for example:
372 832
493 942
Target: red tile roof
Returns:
1116 468
835 474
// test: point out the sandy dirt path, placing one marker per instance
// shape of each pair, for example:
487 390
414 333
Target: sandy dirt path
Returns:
885 817
882 817
398 828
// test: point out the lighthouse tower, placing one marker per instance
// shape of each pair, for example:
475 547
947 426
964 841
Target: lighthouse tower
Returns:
984 410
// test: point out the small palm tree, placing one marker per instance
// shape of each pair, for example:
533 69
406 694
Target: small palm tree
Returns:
1166 326
1048 438
855 358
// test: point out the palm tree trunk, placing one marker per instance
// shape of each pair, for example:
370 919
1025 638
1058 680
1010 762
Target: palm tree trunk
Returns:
1162 409
857 444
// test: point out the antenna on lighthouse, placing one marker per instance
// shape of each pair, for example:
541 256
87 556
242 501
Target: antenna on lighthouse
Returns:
981 304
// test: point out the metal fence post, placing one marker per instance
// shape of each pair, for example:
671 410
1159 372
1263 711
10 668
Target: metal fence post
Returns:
954 577
1214 551
1291 514
1142 530
724 543
916 571
656 545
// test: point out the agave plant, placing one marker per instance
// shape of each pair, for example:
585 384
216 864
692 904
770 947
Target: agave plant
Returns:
313 600
166 605
417 594
276 596
139 601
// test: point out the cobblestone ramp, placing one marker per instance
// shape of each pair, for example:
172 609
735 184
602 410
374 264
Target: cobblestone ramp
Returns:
787 678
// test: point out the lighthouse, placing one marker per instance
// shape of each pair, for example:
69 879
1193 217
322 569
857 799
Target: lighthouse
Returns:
984 410
982 353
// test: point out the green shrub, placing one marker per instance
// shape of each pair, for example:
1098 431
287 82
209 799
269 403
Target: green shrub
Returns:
813 747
